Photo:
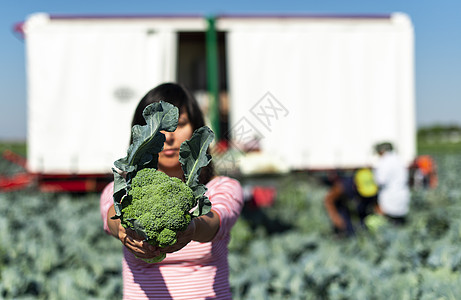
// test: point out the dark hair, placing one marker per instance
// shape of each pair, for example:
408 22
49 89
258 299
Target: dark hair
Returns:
175 94
180 97
384 147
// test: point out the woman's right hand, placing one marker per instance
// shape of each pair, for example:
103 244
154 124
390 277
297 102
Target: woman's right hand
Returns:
129 238
136 244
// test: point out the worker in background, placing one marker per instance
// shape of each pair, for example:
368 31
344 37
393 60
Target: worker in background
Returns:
391 176
424 172
350 197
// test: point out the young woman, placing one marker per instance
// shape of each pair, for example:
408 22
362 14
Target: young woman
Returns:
196 266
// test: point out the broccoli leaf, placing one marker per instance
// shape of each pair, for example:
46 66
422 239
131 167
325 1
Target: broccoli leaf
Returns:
140 229
193 157
148 140
193 154
119 192
203 206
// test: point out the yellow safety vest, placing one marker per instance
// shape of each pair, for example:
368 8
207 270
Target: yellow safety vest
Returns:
365 183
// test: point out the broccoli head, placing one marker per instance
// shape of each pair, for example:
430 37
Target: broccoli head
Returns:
160 205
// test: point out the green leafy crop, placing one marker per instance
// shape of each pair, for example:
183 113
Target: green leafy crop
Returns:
150 202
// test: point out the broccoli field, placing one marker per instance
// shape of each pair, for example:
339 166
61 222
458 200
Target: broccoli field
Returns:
52 246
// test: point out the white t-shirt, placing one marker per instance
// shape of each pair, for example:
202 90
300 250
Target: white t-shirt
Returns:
391 175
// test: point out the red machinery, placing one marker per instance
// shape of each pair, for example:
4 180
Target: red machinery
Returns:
49 182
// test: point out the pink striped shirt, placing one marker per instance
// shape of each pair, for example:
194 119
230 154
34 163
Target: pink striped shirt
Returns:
197 271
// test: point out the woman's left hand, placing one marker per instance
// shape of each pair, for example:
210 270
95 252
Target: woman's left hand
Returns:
183 238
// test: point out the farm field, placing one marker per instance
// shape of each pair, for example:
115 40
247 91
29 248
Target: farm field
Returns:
52 247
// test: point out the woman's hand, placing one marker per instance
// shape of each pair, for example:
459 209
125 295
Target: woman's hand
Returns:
202 229
135 244
132 241
183 238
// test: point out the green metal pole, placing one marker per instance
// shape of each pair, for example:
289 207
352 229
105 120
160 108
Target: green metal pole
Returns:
213 75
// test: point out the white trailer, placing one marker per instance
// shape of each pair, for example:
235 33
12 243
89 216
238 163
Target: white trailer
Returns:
315 92
320 92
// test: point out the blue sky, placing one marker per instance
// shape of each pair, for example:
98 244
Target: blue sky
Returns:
437 44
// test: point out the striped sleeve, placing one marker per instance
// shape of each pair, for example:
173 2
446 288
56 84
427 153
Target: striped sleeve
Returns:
105 202
226 196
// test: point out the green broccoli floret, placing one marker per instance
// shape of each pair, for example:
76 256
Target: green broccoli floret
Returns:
160 204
